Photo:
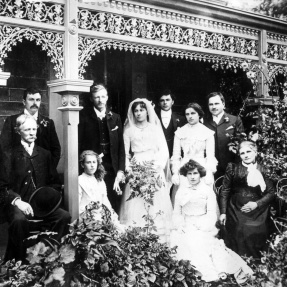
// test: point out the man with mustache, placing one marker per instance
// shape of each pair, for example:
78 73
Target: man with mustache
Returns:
223 125
24 168
46 133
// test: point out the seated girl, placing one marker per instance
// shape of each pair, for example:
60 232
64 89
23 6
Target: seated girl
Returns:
194 220
92 187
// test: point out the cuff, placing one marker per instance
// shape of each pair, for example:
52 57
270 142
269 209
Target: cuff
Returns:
14 200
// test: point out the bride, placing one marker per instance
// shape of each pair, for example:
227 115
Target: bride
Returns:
144 141
194 233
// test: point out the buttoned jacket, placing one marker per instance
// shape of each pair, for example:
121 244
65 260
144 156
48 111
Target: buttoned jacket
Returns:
89 135
228 125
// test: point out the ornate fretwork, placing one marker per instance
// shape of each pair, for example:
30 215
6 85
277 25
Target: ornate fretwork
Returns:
274 70
115 24
278 52
33 11
50 42
124 7
88 47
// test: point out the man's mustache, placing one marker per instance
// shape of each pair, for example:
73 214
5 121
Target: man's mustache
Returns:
34 106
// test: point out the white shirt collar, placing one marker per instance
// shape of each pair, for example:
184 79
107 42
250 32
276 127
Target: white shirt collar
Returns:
101 114
27 147
165 114
218 117
35 116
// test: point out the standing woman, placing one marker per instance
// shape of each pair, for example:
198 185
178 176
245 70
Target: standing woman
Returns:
144 141
196 142
244 203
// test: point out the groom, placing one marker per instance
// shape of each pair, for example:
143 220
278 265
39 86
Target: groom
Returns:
100 130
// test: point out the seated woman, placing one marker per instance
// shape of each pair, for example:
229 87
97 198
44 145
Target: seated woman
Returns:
244 203
92 187
194 220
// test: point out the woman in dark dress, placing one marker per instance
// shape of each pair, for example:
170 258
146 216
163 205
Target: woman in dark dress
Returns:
244 203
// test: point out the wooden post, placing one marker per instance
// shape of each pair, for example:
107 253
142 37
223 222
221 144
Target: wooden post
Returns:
262 91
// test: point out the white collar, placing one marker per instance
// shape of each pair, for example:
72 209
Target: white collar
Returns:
219 116
100 114
35 116
166 114
27 147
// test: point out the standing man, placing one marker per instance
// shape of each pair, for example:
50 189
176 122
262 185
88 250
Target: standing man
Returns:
25 168
170 120
46 133
101 130
222 124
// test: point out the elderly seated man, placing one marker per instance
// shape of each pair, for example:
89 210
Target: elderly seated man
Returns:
24 169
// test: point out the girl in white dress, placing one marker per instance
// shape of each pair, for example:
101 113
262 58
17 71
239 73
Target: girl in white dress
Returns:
196 142
194 233
92 187
144 141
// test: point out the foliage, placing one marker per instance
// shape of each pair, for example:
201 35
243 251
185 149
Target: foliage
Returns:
271 138
273 8
144 180
271 271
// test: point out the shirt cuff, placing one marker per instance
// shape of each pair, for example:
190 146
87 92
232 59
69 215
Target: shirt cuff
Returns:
14 200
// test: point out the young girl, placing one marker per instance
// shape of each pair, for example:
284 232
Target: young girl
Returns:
92 187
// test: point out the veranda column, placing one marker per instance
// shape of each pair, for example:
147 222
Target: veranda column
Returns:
263 77
4 76
69 88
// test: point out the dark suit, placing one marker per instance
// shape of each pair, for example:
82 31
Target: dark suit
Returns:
89 139
176 121
20 175
46 136
228 124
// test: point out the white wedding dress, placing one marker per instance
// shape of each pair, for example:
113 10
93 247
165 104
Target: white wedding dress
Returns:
147 144
194 233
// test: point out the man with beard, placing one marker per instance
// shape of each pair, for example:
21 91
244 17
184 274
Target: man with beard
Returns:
46 133
224 125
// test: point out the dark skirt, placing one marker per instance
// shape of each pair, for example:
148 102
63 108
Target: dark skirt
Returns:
246 233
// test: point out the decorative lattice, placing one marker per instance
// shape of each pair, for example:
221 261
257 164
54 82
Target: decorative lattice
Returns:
116 24
89 46
278 52
33 11
50 42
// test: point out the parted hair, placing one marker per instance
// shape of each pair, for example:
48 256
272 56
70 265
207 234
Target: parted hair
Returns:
100 172
214 94
191 165
196 107
21 120
97 87
250 144
140 103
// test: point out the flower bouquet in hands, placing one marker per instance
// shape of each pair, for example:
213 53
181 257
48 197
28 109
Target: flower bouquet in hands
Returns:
143 179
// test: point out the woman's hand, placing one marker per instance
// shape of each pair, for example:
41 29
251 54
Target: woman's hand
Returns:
222 219
249 206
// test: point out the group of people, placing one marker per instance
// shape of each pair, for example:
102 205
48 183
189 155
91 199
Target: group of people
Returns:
188 153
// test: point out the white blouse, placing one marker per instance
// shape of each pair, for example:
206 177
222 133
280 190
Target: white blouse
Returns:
197 143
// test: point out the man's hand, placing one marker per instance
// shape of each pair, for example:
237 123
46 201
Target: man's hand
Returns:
222 219
120 177
249 206
25 207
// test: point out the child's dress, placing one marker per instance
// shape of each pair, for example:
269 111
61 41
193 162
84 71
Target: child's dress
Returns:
92 190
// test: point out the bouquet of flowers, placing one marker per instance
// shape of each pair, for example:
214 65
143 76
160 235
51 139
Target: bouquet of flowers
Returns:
144 180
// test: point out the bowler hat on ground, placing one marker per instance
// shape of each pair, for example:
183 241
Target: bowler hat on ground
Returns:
45 200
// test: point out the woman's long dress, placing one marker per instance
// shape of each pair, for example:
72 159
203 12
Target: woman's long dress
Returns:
92 190
197 143
145 145
194 219
246 233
